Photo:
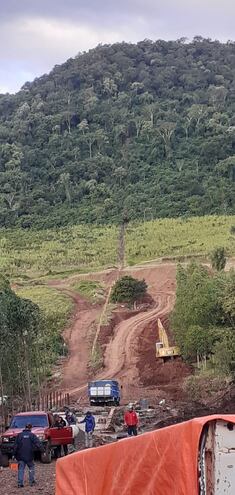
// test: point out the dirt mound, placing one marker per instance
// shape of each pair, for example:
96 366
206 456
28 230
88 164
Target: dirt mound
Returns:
154 372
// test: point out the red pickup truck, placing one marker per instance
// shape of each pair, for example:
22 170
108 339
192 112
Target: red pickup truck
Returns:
42 426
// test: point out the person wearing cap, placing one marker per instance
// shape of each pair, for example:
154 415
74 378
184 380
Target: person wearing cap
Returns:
25 445
131 421
89 421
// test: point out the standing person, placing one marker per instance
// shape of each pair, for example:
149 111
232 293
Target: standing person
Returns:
131 421
70 418
60 423
0 459
89 421
25 444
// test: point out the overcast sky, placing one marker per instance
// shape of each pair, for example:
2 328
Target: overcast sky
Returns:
37 34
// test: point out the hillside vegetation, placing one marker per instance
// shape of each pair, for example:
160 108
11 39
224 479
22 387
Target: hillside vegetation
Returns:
30 338
203 320
61 251
141 131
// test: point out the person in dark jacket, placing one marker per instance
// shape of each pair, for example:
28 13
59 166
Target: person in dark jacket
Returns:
60 423
0 459
89 421
25 445
70 418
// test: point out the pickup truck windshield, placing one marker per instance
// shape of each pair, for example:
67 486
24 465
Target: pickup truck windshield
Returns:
36 421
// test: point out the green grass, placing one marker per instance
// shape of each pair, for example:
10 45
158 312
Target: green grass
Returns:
53 303
90 289
179 237
49 252
30 254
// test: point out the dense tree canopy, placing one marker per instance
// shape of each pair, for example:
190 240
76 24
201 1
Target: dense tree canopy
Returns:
145 129
19 333
203 316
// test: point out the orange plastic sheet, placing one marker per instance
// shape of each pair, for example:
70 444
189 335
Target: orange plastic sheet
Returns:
162 462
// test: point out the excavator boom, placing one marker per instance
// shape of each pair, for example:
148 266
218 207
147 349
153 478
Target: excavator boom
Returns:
163 348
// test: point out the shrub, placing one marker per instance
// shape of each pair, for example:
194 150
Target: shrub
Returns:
128 289
218 259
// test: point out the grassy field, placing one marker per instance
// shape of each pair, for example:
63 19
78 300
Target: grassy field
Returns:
90 289
53 303
74 249
60 252
179 237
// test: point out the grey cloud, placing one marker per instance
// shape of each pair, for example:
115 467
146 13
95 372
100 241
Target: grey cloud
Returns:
36 34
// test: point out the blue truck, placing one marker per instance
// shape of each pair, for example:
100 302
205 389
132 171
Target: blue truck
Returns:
104 392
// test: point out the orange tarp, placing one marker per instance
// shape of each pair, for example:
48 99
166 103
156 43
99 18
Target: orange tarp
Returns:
162 462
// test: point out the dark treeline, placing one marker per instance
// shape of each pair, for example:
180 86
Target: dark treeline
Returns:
145 129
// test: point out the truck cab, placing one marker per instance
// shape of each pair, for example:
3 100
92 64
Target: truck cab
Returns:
43 427
104 392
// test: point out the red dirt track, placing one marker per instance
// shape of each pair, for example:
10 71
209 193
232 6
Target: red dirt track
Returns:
129 353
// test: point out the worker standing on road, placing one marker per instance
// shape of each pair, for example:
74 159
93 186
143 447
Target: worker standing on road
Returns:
89 421
60 423
131 421
1 459
25 444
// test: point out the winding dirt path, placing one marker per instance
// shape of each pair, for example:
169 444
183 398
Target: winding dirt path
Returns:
76 336
121 355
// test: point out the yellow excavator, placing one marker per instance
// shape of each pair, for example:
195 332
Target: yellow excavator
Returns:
163 349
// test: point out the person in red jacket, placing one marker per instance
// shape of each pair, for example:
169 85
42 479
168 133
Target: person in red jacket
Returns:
131 421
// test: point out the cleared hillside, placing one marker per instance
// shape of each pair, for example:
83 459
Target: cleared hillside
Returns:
84 248
141 131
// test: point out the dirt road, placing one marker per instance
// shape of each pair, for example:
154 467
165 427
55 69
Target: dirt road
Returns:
45 476
76 336
122 352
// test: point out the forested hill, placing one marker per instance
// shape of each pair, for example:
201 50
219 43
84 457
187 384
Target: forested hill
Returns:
143 131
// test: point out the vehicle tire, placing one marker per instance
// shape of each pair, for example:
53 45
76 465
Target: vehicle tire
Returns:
5 460
46 456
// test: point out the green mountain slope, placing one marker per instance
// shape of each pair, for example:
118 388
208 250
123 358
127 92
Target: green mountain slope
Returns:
143 131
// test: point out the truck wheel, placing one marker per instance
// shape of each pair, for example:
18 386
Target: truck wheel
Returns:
46 456
5 460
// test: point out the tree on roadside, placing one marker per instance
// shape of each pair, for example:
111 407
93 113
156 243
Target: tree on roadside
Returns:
20 326
128 289
218 259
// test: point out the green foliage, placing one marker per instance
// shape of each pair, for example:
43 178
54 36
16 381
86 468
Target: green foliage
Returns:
198 342
146 128
82 248
203 316
218 259
56 308
128 289
21 325
228 299
224 353
90 289
196 302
